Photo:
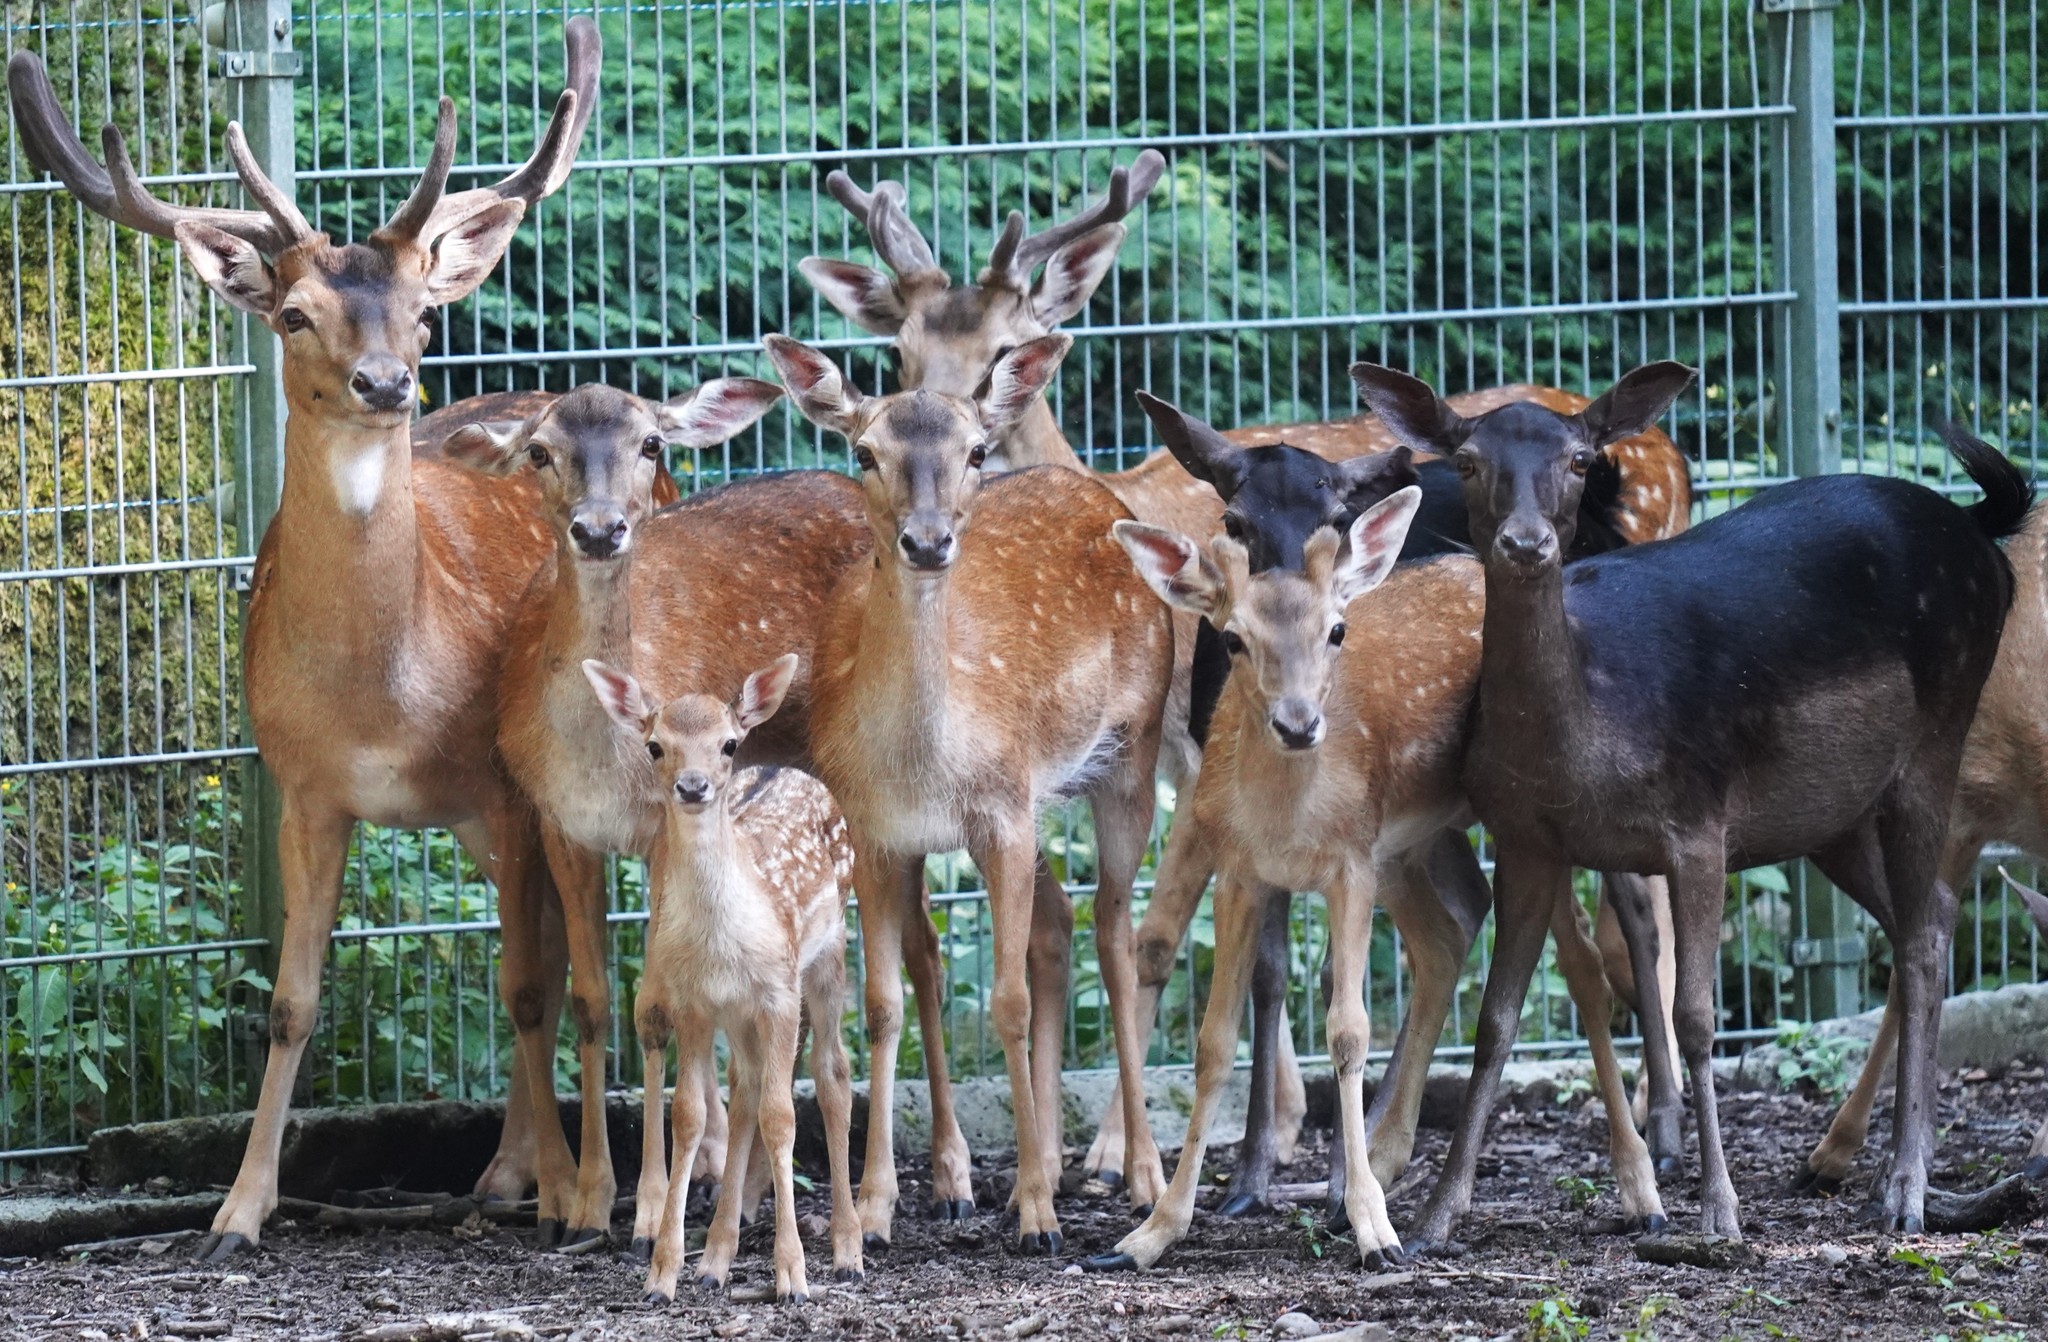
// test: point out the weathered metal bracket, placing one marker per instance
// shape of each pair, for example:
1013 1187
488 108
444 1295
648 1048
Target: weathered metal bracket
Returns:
1812 952
1794 6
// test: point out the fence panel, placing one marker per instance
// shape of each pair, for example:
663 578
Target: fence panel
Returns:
1482 194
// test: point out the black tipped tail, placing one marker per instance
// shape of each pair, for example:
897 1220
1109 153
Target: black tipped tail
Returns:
2007 495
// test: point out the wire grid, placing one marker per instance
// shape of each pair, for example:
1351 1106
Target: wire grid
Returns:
1524 194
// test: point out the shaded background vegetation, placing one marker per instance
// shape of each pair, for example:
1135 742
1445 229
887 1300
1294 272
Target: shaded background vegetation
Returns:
1482 193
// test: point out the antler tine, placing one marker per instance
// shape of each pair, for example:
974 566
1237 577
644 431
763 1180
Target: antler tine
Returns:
113 191
280 207
1003 256
544 172
883 213
855 201
1127 186
418 208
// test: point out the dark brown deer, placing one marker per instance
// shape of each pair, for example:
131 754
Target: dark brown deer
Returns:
384 587
998 656
1794 678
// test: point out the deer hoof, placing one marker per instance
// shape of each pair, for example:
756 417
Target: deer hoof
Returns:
657 1298
1110 1262
1814 1184
1241 1204
642 1250
873 1243
220 1248
550 1232
853 1276
952 1209
1110 1179
1383 1259
1046 1242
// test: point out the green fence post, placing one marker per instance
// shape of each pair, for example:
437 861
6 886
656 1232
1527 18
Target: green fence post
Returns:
1827 949
258 63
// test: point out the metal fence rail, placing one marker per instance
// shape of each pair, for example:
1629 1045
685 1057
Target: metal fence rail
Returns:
1483 194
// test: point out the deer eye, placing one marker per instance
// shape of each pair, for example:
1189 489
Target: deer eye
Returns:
864 458
654 750
651 446
1232 643
731 747
977 454
1466 464
1233 526
538 455
295 320
1582 461
1337 634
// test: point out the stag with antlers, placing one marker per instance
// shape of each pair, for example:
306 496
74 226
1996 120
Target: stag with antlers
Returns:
382 588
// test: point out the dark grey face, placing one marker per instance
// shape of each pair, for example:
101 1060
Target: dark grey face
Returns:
1525 469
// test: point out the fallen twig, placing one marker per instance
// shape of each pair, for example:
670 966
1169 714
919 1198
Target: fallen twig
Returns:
126 1241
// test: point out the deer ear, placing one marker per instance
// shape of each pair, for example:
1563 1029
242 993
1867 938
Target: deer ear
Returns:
1206 454
465 255
1019 378
1366 480
814 384
1374 544
623 699
716 411
864 296
1415 414
493 448
1636 402
1173 566
763 692
1073 273
232 268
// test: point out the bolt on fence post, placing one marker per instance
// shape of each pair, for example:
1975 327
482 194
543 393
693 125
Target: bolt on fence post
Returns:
1827 951
258 64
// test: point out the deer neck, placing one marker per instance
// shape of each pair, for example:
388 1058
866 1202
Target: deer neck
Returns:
697 862
906 651
347 537
591 613
1036 440
1533 700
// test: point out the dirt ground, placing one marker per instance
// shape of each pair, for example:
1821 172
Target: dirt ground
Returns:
1536 1263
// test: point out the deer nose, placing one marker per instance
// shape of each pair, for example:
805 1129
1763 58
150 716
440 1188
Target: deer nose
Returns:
927 544
693 788
382 383
1298 724
599 532
1526 545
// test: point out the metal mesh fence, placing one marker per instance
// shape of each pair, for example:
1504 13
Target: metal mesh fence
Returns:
1482 194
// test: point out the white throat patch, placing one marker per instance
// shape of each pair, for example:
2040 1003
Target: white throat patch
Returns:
359 477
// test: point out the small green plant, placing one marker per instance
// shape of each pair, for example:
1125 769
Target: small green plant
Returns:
1315 1236
1580 1191
1555 1318
1978 1321
1572 1089
1937 1275
1822 1063
1646 1315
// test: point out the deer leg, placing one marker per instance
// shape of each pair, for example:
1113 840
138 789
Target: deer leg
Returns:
1922 922
1525 889
825 998
1049 968
312 848
1365 1203
509 1174
1828 1163
693 1063
1640 907
1008 864
930 980
2037 1159
1698 892
721 1242
1579 959
1290 1092
1269 989
1238 910
879 883
529 981
579 875
778 1027
654 1027
1436 942
1183 874
1123 823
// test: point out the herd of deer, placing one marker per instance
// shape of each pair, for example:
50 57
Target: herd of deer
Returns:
789 690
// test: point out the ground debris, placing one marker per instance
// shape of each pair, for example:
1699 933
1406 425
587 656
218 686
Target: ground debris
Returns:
505 1327
1712 1251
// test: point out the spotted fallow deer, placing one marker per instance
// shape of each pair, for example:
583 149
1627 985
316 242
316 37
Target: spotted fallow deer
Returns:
946 338
626 588
1000 654
383 589
749 880
1335 765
